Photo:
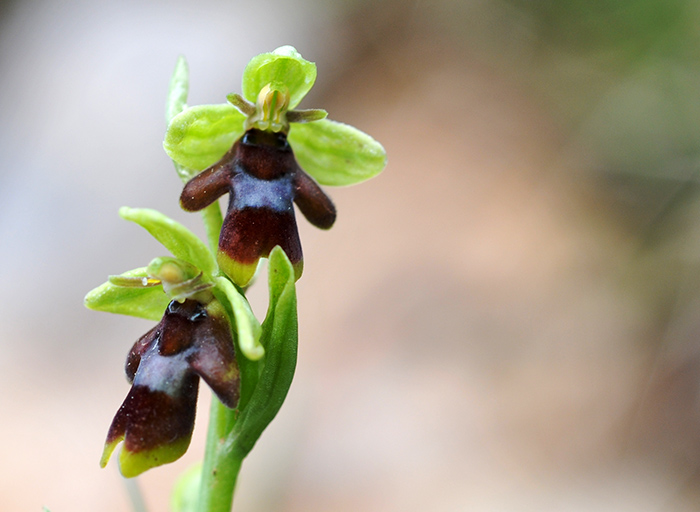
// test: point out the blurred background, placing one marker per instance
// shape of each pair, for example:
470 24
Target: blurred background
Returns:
507 319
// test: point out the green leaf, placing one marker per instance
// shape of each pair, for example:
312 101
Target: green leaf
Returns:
199 136
279 336
147 302
179 240
177 92
284 66
335 153
247 326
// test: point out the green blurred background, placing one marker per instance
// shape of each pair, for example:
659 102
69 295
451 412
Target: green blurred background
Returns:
507 319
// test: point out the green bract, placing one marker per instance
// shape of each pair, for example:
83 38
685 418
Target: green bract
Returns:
280 338
247 325
333 153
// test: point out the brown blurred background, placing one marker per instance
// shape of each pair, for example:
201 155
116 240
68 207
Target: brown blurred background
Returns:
507 319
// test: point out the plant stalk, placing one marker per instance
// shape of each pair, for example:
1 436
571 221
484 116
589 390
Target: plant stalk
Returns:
221 465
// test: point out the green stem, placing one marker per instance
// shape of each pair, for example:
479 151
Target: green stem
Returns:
221 465
219 468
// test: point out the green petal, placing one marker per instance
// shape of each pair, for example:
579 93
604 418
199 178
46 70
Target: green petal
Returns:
247 326
179 240
279 336
285 66
336 153
177 92
199 136
148 303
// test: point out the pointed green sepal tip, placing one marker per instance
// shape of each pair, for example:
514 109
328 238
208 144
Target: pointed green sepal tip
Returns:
281 276
147 302
108 450
336 154
178 90
284 66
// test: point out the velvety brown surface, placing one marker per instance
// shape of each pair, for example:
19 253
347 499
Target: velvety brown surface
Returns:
313 202
251 233
149 419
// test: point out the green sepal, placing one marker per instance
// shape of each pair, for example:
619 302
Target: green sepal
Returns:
279 337
335 153
199 136
143 302
284 66
185 497
247 326
179 240
178 90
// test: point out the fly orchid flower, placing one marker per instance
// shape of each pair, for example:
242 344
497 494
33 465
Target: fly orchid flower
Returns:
164 366
267 157
192 340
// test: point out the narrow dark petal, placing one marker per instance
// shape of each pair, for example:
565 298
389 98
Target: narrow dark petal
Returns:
312 201
209 185
214 359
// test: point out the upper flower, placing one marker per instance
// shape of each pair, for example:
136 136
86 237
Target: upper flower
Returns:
247 149
273 85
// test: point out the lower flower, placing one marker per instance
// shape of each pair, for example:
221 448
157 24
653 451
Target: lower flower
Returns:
156 420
